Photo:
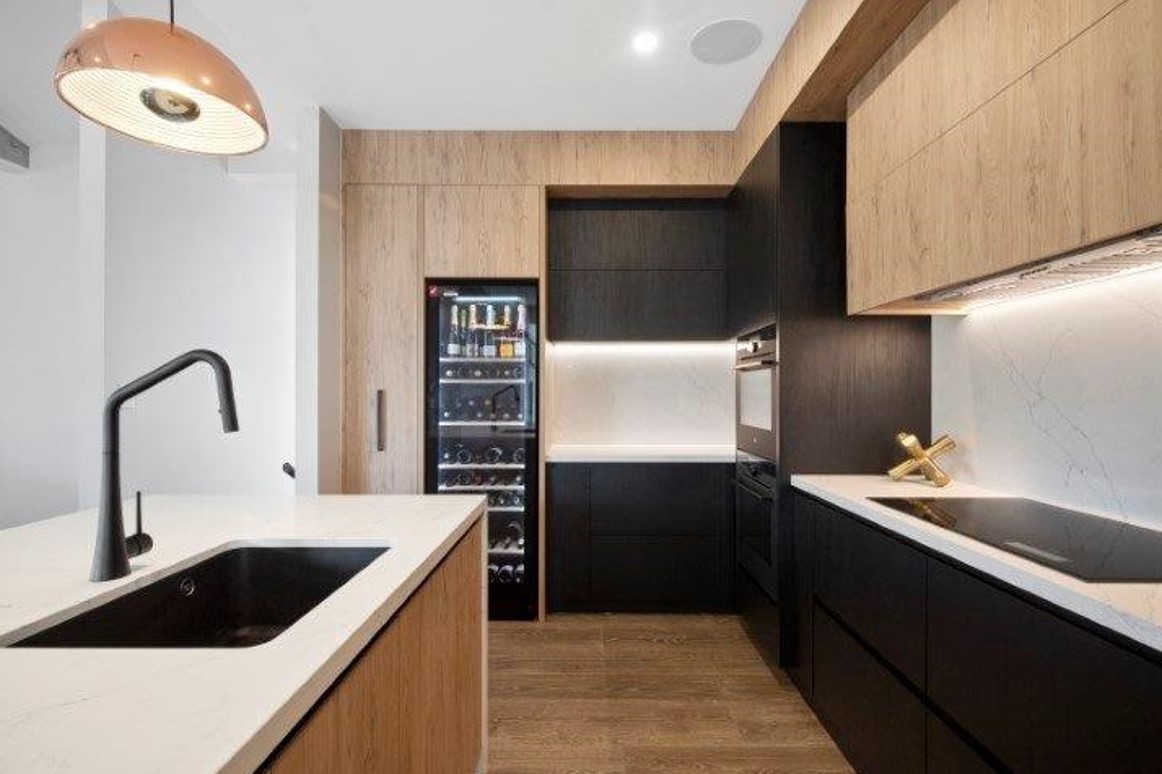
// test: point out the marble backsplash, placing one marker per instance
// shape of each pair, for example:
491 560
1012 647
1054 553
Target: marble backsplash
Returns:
1059 397
650 393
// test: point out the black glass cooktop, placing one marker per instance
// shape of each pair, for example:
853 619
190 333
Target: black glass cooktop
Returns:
1088 547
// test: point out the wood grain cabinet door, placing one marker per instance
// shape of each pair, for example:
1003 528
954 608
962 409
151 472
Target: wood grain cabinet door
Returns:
381 413
491 231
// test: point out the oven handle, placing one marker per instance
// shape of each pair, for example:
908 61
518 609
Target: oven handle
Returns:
755 494
755 365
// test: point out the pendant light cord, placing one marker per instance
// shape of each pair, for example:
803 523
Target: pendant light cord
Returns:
171 2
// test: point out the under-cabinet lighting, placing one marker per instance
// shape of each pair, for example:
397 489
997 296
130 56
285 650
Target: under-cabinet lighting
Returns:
1135 254
643 349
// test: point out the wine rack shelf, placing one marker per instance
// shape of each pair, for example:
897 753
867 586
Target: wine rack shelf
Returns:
513 360
506 553
482 381
471 488
481 423
506 509
481 466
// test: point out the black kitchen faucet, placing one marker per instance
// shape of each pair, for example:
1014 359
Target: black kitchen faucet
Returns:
111 554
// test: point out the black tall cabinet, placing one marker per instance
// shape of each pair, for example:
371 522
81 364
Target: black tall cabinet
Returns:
846 385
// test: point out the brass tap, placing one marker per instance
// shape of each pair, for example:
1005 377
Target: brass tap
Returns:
922 459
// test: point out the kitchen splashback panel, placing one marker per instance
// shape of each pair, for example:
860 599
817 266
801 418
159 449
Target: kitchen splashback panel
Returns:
1059 398
632 394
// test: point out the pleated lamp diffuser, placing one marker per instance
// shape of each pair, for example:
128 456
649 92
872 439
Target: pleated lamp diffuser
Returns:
162 84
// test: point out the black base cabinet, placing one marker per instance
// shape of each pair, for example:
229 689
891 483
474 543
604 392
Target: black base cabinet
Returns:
875 719
1043 694
948 753
635 537
920 664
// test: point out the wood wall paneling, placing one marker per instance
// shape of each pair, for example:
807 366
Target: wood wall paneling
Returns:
413 700
831 46
539 158
382 297
482 231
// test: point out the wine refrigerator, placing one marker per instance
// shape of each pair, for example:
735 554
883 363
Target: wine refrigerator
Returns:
481 422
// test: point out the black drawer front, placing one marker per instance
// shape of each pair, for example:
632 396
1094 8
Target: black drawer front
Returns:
647 573
878 723
1041 693
876 585
679 499
949 754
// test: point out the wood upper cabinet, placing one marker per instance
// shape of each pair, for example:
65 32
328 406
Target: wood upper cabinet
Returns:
381 414
484 231
976 147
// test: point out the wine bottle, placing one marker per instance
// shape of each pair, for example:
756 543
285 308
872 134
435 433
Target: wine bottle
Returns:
454 334
463 455
473 348
514 533
522 324
518 456
493 455
507 347
518 574
489 348
463 478
506 574
493 572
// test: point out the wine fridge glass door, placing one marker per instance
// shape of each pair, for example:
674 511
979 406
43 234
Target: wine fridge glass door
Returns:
481 422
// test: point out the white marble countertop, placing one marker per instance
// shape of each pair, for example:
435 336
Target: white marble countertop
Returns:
197 710
1131 609
640 453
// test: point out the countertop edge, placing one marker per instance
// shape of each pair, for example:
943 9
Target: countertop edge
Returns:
1022 574
266 740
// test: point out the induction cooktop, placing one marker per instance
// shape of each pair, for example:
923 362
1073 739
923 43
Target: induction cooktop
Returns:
1085 546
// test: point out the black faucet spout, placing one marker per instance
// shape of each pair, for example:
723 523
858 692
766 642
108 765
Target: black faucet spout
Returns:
110 555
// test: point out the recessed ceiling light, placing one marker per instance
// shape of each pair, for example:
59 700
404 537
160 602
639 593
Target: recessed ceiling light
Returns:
726 42
645 42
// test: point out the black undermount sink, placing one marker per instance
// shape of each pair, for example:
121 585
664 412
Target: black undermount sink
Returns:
241 597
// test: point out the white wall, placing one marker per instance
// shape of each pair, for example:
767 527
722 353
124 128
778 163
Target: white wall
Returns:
641 393
1059 397
38 337
196 258
40 290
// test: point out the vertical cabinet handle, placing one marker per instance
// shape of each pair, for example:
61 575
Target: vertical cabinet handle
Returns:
380 421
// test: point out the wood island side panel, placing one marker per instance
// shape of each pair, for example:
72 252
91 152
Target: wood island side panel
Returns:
413 701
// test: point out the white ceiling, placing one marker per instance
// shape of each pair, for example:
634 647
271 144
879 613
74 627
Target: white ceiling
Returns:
440 64
492 64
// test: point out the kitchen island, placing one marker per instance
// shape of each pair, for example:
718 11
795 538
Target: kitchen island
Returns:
252 708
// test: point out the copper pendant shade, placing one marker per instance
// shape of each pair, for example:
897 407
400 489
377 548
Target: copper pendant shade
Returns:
163 84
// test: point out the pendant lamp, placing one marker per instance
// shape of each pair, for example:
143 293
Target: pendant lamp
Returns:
162 84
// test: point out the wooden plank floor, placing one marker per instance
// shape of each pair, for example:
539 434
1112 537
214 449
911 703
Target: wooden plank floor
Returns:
636 693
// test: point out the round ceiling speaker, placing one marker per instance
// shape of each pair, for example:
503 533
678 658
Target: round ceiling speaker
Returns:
726 41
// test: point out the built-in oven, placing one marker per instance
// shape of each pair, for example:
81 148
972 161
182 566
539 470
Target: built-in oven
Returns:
757 551
755 492
756 369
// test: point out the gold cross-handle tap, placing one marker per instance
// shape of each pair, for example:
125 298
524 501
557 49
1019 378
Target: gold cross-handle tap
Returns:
923 459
